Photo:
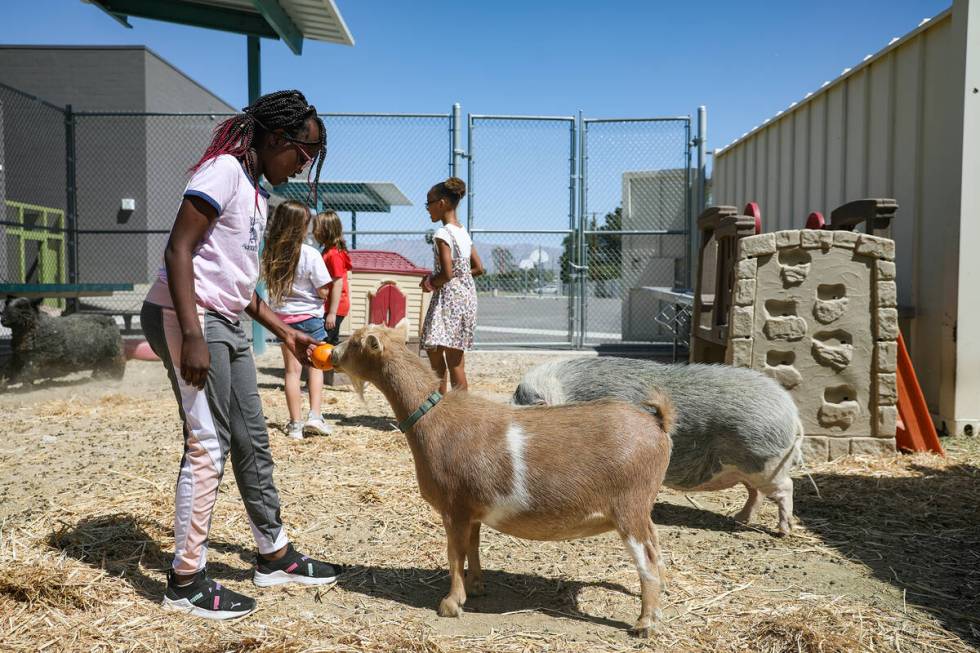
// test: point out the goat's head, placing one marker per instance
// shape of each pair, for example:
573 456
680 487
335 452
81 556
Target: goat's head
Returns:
20 313
361 356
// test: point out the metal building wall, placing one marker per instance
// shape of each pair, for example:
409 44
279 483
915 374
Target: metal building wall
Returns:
889 127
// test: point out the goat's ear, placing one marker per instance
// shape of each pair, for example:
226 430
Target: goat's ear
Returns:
36 304
400 331
373 343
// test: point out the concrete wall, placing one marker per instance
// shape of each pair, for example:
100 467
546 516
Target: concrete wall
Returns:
144 158
890 127
651 200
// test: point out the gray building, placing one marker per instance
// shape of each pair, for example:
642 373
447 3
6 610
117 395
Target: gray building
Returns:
129 169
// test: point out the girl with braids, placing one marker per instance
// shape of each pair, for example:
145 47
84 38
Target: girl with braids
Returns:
451 319
191 318
329 232
297 282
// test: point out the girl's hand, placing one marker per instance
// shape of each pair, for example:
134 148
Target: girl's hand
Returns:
330 321
426 283
195 360
300 344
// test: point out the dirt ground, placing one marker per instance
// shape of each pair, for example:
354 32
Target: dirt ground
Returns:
885 558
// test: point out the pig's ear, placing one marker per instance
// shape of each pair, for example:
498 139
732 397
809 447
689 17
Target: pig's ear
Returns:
400 331
373 343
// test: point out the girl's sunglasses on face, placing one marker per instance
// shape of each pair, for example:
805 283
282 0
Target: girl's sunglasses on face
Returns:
305 157
429 203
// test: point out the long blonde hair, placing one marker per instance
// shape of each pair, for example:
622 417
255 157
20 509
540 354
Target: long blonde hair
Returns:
328 230
283 241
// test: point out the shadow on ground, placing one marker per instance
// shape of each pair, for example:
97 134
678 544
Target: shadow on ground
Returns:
122 545
920 534
505 592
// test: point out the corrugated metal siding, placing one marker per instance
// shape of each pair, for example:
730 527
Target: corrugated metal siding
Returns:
880 130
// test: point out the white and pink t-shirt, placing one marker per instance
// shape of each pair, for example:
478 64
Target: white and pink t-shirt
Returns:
226 262
303 301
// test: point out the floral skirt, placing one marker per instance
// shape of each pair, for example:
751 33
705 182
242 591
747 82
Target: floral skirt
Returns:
451 318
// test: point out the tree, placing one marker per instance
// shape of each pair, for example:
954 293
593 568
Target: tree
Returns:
604 251
503 260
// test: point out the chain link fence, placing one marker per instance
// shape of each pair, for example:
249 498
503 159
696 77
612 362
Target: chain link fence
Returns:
573 218
635 217
33 197
522 213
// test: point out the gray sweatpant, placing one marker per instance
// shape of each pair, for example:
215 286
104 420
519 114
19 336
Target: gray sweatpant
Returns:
226 416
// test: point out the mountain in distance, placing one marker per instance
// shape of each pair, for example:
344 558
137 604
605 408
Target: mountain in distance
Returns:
419 252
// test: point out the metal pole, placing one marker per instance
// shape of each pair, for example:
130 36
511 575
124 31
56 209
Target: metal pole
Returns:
583 257
469 172
253 52
253 47
71 203
572 185
702 152
455 127
353 229
689 210
702 193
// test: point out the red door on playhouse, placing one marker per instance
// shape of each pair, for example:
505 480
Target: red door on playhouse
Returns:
387 306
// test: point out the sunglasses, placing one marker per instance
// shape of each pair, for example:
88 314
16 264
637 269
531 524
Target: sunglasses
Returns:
428 203
298 144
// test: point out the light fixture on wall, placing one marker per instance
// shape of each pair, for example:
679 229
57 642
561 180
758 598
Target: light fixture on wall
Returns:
127 204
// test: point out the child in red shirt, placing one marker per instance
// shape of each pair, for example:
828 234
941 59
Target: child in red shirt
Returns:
328 231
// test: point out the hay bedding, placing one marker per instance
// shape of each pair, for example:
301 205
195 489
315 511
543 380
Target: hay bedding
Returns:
888 558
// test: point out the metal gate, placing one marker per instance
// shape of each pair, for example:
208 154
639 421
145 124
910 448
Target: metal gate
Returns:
521 213
635 221
577 219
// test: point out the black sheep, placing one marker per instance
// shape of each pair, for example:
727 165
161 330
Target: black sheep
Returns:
47 347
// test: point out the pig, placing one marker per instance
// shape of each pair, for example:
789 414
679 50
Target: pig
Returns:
733 425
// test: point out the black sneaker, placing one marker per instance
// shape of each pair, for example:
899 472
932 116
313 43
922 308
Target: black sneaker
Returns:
206 598
293 568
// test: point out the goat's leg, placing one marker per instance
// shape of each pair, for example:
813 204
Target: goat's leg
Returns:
642 545
457 538
744 516
474 573
782 493
654 553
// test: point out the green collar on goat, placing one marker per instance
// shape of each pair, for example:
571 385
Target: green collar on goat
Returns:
426 406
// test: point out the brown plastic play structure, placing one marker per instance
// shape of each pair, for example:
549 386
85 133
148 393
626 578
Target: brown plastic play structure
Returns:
821 300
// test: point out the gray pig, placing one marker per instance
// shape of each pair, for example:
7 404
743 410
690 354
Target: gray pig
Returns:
48 347
733 425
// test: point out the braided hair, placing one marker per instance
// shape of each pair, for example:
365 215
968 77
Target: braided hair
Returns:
286 110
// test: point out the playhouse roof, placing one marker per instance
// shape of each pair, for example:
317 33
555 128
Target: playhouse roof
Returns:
371 260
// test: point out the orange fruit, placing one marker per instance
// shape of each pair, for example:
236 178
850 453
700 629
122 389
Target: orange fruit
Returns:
321 357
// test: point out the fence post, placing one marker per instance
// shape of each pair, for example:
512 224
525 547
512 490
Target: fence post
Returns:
471 190
71 204
692 229
583 251
572 186
455 127
689 209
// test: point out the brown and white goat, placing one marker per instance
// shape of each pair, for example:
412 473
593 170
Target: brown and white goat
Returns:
540 473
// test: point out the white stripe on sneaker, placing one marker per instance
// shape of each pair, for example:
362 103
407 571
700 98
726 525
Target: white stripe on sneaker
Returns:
280 577
186 607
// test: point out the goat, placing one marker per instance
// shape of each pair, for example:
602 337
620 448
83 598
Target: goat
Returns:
538 473
733 425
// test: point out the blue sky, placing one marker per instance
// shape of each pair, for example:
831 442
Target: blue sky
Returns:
743 60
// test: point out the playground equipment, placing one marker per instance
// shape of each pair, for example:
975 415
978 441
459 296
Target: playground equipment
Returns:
816 309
